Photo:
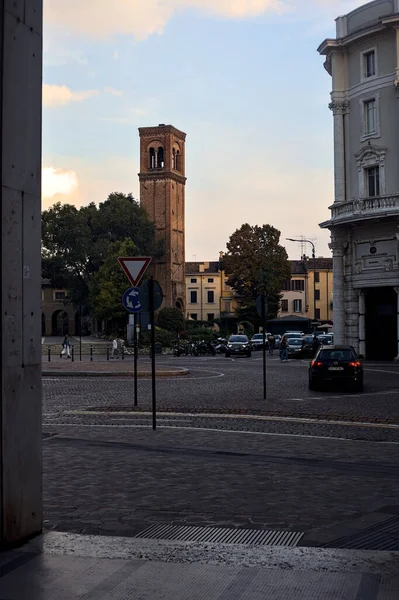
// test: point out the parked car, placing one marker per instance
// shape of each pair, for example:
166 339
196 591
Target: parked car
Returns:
326 339
293 334
257 341
277 340
238 344
294 347
336 364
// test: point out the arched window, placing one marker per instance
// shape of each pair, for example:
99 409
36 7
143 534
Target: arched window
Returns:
152 158
160 162
173 159
177 160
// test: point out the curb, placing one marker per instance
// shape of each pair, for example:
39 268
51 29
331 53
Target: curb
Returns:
140 374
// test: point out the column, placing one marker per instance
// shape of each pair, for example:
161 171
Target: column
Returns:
397 319
20 138
362 322
338 290
339 108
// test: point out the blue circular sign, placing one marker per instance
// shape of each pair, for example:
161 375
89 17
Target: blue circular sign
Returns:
131 300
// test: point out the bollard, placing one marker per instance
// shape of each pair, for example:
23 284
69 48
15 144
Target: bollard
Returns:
91 353
123 352
49 353
73 353
107 353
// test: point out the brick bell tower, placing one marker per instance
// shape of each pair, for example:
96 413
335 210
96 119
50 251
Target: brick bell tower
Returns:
162 187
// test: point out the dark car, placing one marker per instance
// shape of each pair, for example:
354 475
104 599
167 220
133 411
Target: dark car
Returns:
238 344
336 364
307 346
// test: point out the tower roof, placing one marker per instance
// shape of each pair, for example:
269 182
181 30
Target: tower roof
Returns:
161 129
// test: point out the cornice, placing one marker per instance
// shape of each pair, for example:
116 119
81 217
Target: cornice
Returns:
161 130
162 176
339 44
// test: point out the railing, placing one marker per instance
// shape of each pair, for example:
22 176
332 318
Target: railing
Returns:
365 207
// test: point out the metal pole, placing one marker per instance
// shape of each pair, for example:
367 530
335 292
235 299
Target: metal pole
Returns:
314 283
91 353
264 344
49 353
135 346
73 354
80 332
152 324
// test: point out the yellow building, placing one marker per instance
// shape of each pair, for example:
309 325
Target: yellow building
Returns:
208 297
298 297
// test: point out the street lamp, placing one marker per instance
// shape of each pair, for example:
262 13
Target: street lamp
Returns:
314 273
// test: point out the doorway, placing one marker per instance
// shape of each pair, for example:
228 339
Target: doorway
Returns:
381 324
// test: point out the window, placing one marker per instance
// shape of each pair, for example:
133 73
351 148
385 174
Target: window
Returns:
298 285
210 279
370 116
177 162
284 305
59 295
193 297
369 69
298 306
193 280
152 158
160 158
211 317
286 286
227 306
211 297
317 294
173 159
317 277
373 181
194 316
318 314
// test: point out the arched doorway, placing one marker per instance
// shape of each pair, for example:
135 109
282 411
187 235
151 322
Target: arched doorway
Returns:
82 321
43 325
59 323
179 304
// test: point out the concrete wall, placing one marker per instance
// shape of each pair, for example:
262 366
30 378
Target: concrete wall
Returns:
20 425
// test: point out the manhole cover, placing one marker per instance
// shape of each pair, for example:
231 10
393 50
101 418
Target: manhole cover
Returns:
222 535
384 536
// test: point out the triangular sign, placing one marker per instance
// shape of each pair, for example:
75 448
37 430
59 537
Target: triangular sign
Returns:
134 267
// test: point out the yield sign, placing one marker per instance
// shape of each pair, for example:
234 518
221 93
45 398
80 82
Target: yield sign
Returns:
134 267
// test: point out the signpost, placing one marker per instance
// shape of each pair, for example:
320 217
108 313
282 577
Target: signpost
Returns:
262 308
134 268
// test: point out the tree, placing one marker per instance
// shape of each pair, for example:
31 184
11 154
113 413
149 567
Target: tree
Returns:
256 263
171 319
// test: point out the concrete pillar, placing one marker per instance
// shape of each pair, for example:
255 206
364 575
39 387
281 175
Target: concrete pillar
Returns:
362 322
20 423
339 108
397 319
338 291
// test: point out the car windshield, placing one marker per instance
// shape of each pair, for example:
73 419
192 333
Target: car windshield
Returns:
238 338
345 355
258 336
296 342
325 338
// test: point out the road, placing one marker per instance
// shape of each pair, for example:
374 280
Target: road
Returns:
222 455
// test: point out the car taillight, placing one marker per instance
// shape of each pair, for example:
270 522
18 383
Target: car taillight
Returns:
316 363
354 364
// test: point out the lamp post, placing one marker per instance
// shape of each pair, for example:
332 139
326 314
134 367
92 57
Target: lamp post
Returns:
314 273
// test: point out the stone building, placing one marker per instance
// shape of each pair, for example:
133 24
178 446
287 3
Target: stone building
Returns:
302 297
363 61
162 194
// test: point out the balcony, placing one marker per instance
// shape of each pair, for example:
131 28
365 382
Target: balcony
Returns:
363 209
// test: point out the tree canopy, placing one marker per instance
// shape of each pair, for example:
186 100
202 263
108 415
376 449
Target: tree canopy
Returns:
80 245
171 319
256 263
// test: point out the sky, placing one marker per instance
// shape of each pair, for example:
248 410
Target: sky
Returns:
242 78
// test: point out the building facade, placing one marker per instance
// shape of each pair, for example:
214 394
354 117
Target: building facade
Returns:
363 61
208 297
302 297
162 194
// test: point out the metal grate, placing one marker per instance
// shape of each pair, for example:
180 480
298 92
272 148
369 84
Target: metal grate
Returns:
222 535
384 536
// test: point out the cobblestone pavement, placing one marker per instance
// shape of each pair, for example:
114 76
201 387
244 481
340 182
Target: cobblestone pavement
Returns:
300 460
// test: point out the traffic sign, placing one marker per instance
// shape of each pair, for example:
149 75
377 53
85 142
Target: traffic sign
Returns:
259 304
145 295
131 300
134 267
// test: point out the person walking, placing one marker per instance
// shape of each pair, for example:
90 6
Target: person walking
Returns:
115 350
284 349
66 345
315 345
271 342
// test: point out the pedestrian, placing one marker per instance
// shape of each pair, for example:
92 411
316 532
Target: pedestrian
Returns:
271 342
315 345
284 349
65 348
115 350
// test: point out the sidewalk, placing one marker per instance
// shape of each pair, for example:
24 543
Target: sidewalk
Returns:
72 567
101 367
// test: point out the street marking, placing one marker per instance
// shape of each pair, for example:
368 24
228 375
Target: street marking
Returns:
191 428
220 416
382 371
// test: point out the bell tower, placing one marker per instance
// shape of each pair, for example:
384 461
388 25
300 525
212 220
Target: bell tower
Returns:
162 187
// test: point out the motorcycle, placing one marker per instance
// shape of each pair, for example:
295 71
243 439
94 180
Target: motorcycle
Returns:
220 345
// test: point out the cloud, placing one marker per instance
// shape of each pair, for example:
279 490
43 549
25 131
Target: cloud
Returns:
113 92
61 95
58 185
142 18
